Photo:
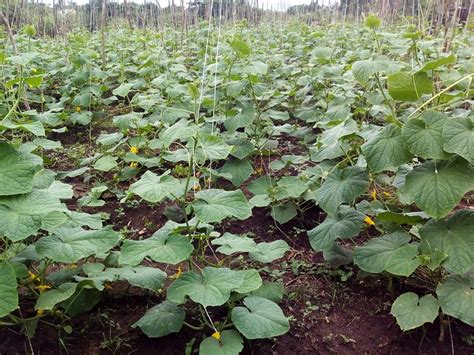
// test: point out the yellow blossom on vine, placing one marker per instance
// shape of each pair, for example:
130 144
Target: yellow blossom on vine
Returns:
386 194
34 70
369 221
133 149
259 170
374 195
42 288
40 312
178 273
216 335
32 276
78 108
134 165
196 186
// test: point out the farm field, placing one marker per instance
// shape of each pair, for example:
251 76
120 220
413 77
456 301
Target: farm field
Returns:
278 188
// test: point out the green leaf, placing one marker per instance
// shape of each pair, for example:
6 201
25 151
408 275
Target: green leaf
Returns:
49 299
424 135
402 218
403 261
272 291
387 150
211 288
437 187
106 163
154 188
22 215
210 147
458 137
363 70
403 86
372 256
240 47
214 205
69 245
454 237
161 320
161 247
229 344
346 224
267 252
285 212
16 171
433 64
260 319
412 312
150 278
456 297
240 170
8 292
342 186
233 243
252 281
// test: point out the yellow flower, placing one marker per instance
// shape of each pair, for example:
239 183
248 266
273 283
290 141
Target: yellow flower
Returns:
108 287
374 195
196 186
134 165
216 335
259 170
209 181
133 149
78 108
40 312
34 70
32 276
72 266
369 221
386 194
42 288
178 273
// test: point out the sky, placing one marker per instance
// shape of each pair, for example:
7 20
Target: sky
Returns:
276 4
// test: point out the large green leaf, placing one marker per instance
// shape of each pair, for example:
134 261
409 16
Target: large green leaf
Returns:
346 224
267 252
233 243
69 245
240 170
364 69
403 261
433 64
252 281
437 187
456 297
210 147
16 171
212 287
373 255
49 299
22 215
387 150
403 86
154 188
342 186
424 135
161 320
161 247
230 343
412 312
458 137
260 318
213 205
8 292
454 237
